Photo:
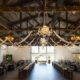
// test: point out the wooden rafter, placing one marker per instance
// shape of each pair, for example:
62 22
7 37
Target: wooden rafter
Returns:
33 18
36 29
31 9
23 3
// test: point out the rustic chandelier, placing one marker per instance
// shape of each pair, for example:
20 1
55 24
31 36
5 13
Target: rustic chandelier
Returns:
45 30
9 38
75 37
43 41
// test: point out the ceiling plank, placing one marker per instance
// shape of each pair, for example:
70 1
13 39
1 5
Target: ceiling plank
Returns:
21 3
33 18
4 17
23 20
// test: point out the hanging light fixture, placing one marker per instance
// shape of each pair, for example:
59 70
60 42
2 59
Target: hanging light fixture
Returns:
73 12
75 37
9 38
45 30
43 41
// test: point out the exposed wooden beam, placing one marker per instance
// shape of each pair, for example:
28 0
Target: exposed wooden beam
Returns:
72 2
36 29
58 2
34 19
4 17
23 3
31 9
66 20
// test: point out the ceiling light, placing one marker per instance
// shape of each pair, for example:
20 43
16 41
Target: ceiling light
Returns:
43 41
9 38
73 12
75 37
45 31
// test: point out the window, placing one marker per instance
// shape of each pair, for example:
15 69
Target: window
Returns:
42 49
35 49
50 49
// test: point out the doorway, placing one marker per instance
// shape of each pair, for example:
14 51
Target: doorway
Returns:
42 53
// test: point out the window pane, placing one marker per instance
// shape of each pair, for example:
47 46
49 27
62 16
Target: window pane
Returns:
42 49
34 49
50 49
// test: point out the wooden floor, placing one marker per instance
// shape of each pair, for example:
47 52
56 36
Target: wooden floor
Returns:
40 72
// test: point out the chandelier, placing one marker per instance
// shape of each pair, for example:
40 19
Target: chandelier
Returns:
75 37
9 38
45 31
43 41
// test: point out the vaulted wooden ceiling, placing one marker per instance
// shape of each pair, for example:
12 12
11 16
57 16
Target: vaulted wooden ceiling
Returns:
38 5
39 2
18 24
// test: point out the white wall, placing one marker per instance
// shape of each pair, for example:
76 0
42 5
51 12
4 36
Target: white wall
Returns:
1 56
3 50
19 53
60 52
65 52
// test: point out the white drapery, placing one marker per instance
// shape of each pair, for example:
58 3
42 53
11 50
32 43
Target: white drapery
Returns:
24 38
31 42
53 41
62 39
